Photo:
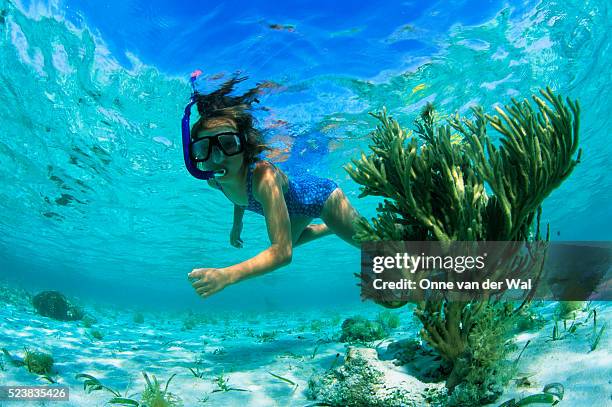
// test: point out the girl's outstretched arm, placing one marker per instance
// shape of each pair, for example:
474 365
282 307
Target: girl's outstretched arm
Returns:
268 191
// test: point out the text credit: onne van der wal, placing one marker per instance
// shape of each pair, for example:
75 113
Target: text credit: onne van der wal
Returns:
455 264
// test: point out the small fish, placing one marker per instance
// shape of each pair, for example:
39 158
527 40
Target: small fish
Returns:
418 87
280 27
350 31
278 123
329 127
271 85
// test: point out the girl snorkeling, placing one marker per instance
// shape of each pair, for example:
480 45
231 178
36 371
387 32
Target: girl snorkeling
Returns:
223 147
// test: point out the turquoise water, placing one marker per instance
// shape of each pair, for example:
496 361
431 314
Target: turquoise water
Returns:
96 201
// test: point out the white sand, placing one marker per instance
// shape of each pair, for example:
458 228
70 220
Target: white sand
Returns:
233 344
229 344
586 376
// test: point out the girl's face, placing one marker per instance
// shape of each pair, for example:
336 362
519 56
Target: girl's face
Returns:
217 159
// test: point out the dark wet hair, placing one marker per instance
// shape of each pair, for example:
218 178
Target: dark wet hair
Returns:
221 105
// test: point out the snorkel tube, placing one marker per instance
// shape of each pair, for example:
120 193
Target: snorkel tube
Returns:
189 164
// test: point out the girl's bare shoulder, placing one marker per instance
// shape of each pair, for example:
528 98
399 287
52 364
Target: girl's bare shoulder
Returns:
263 166
267 170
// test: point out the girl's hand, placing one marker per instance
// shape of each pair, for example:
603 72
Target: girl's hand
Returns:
235 239
208 281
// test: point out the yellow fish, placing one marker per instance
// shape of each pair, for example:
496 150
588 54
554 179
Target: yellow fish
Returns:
418 87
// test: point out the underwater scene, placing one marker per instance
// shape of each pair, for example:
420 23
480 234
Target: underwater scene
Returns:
194 198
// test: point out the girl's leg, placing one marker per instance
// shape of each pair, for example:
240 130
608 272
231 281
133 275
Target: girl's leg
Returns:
311 233
299 225
339 216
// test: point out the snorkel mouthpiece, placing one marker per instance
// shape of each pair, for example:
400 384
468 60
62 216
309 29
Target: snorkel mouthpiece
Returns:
220 173
186 133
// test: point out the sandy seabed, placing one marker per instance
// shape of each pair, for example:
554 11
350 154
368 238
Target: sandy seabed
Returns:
251 351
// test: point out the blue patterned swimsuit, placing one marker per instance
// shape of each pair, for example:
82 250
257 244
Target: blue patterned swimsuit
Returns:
306 194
